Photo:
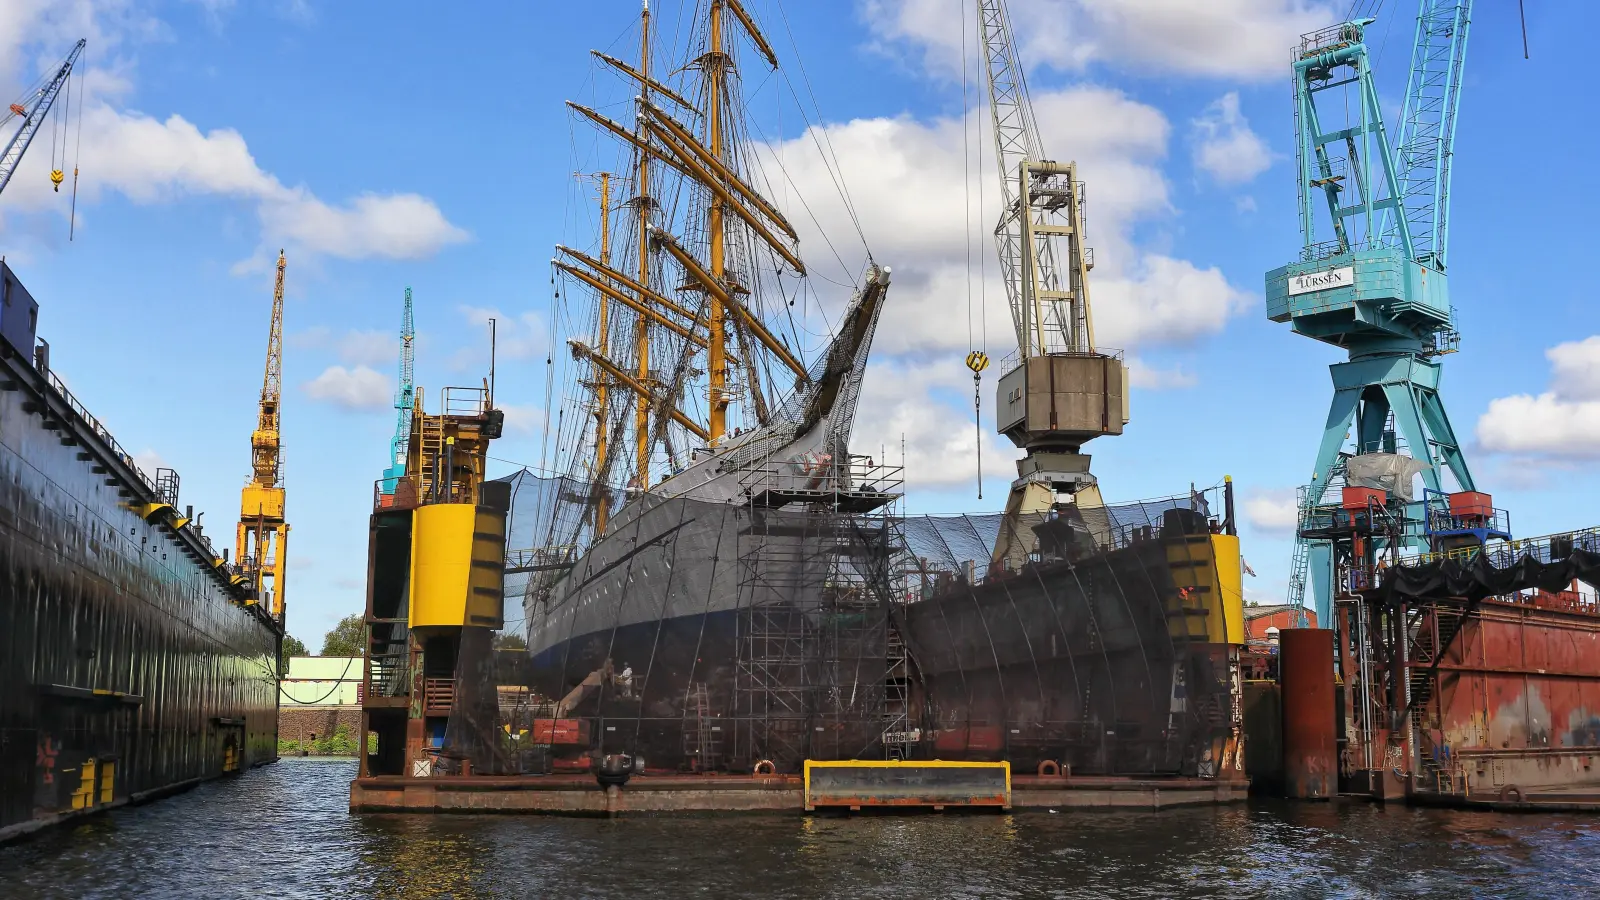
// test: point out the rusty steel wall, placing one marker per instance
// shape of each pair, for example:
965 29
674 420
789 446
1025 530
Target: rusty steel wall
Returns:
1305 666
114 644
1519 699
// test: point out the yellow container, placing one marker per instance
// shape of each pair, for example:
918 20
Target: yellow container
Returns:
457 566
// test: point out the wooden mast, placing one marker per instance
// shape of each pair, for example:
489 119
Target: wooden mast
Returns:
717 349
602 506
642 205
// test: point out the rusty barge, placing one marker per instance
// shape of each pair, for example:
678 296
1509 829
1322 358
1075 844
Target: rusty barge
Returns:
1467 675
136 661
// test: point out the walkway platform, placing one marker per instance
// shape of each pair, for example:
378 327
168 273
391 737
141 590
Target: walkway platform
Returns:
580 795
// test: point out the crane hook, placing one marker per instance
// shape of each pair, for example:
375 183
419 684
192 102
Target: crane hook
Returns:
977 361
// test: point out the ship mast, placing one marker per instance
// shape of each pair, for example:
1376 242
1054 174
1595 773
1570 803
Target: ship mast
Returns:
713 66
602 414
641 206
690 274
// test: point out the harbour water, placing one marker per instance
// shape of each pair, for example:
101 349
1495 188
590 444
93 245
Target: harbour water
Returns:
283 831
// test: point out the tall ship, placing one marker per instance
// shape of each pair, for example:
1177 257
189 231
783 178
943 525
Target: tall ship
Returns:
711 509
717 579
137 658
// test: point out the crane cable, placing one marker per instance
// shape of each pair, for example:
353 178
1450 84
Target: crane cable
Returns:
57 138
77 150
977 359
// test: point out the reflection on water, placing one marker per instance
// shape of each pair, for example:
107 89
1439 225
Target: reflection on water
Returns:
283 831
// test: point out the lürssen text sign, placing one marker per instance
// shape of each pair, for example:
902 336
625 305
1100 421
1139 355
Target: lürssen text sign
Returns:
1321 281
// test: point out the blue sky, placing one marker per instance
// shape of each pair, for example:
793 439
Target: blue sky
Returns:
386 145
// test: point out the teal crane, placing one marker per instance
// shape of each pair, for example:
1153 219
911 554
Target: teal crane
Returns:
33 108
1371 277
404 404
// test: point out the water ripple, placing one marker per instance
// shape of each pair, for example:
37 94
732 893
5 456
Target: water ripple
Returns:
283 831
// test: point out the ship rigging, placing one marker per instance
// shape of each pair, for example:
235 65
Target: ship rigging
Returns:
690 311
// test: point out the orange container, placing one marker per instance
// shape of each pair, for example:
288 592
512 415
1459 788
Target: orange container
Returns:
1471 504
1357 498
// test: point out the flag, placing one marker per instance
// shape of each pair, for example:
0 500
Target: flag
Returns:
1247 570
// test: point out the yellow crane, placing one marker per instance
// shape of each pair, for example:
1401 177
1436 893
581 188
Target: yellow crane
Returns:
263 534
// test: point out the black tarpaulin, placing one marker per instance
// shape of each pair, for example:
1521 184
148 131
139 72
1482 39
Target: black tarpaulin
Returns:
1478 577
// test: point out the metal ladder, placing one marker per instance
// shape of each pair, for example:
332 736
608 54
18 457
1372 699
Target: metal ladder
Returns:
702 741
432 449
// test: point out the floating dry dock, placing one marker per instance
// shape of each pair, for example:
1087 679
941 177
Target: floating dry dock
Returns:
135 660
649 794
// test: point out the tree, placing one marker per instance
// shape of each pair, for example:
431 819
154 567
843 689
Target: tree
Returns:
291 647
509 641
348 638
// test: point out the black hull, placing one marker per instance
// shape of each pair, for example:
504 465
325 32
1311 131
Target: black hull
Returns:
1111 663
1092 663
695 701
129 665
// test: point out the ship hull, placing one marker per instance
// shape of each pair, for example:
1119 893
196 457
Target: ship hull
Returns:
130 667
1092 665
1115 663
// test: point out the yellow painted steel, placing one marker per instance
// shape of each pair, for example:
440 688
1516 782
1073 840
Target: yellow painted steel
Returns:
1209 602
83 795
108 780
1230 586
717 348
261 547
457 566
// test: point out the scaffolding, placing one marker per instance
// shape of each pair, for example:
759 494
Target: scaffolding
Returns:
820 671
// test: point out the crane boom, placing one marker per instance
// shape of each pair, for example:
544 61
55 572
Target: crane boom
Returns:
1428 124
404 403
1049 316
264 442
1060 393
263 533
33 110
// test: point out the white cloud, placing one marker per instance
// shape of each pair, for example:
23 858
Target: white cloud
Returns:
369 347
1224 147
1575 368
1272 512
1164 300
523 336
1543 425
1215 38
1150 378
912 187
356 347
1562 422
358 388
521 419
940 438
159 160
